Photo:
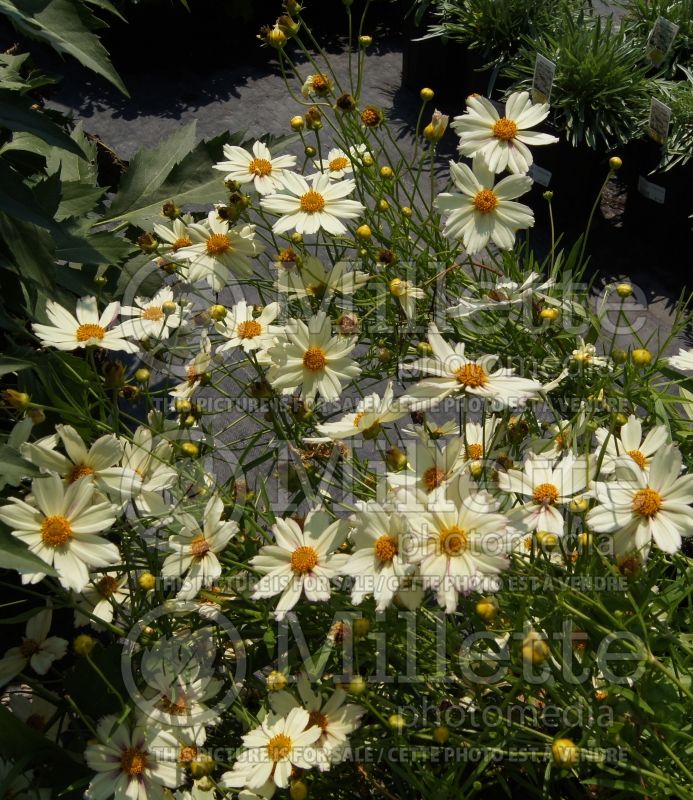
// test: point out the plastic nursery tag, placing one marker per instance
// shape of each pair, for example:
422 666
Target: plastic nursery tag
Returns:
660 117
539 175
660 40
651 190
542 83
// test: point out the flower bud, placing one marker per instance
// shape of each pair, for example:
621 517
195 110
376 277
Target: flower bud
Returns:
424 349
310 151
364 232
297 123
548 196
397 287
535 650
100 280
171 210
345 102
276 681
579 505
147 243
565 752
367 159
182 405
202 766
406 211
426 94
441 734
114 374
190 449
146 581
18 400
365 41
615 163
371 116
397 722
624 290
296 237
142 375
361 627
83 644
551 314
436 128
383 205
619 356
386 172
487 609
641 357
298 790
169 307
217 312
357 685
395 459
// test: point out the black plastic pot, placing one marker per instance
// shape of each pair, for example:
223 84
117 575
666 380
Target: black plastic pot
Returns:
575 176
659 202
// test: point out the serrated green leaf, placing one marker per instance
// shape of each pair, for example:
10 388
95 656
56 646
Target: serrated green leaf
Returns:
63 25
16 114
148 170
18 201
32 251
77 199
9 365
71 167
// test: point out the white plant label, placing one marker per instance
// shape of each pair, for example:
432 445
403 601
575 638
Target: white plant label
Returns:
540 175
660 117
542 83
651 190
660 40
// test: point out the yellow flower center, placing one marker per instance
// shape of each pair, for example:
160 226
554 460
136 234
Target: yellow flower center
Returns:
471 374
638 457
303 559
133 761
56 531
181 241
279 747
545 494
260 167
312 202
249 329
432 478
386 548
452 541
338 164
79 471
193 375
218 244
90 331
647 502
199 546
28 647
177 707
485 201
317 718
358 418
107 586
320 83
505 129
187 754
314 359
474 451
153 313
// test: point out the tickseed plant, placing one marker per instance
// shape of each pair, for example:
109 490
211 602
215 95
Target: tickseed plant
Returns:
338 488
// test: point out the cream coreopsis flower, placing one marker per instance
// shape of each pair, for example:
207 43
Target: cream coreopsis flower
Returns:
479 439
430 466
303 560
258 166
586 355
33 710
502 140
132 763
241 328
99 463
156 316
548 487
317 84
174 236
335 718
195 549
86 328
453 373
63 529
407 294
683 361
338 163
460 542
308 208
271 751
196 370
219 253
630 442
311 279
372 412
484 211
38 649
105 593
501 296
647 506
150 457
378 565
312 359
